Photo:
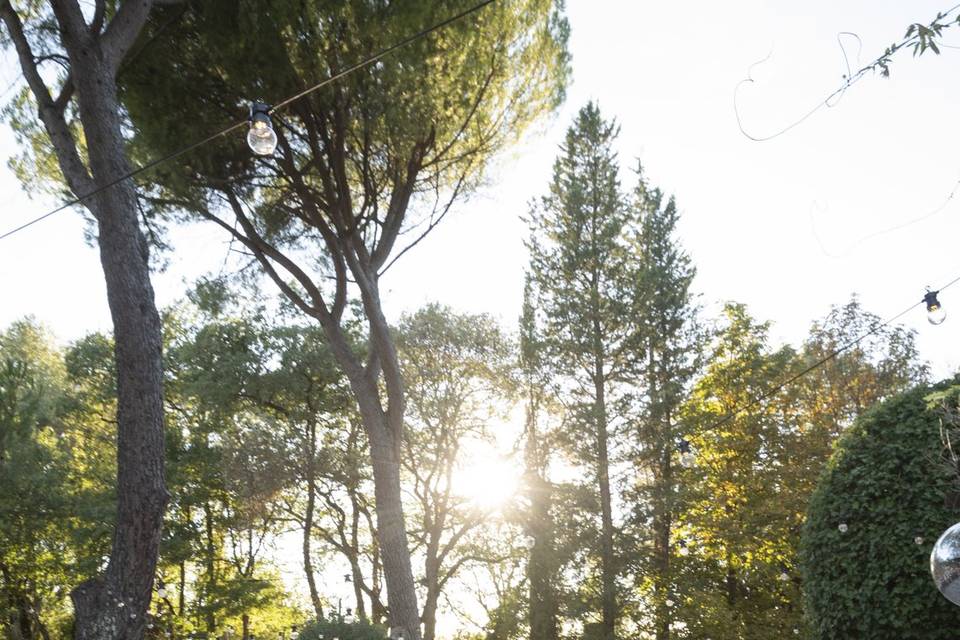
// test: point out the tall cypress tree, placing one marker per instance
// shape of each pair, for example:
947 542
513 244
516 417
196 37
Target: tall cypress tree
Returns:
584 274
670 344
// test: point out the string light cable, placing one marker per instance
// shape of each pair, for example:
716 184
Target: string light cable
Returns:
881 232
936 317
919 36
246 122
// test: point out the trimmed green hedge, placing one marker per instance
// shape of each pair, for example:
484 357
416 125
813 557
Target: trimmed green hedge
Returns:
339 629
887 482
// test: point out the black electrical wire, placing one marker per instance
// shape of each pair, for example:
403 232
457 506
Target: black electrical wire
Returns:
230 129
819 363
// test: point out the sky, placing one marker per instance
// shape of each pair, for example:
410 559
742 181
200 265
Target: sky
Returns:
789 226
776 225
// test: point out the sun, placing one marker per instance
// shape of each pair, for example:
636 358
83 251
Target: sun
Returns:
486 479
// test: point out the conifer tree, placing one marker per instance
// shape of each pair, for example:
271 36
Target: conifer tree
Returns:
669 345
585 278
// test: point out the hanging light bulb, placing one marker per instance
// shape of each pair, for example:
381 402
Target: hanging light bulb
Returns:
261 137
918 540
687 455
842 527
935 312
945 564
684 550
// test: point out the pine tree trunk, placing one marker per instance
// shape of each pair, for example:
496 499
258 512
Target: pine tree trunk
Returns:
392 531
661 530
607 560
383 427
141 488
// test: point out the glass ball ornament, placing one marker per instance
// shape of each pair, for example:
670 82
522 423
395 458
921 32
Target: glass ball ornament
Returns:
918 540
842 527
945 564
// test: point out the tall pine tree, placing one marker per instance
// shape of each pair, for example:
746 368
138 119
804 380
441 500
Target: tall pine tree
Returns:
670 344
585 276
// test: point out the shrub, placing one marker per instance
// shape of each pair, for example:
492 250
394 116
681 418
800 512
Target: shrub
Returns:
887 482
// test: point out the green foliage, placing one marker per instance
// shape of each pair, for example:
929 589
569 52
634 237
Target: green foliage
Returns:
886 482
470 89
338 628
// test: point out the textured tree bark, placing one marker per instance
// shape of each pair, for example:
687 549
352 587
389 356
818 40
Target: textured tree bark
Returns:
113 605
141 487
392 530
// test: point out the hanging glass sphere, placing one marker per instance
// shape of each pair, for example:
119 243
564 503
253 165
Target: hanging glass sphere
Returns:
918 540
935 313
261 137
842 527
945 564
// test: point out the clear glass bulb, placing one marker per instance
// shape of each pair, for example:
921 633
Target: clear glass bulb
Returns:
945 564
936 314
262 138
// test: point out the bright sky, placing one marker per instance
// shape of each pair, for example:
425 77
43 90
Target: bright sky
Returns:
752 212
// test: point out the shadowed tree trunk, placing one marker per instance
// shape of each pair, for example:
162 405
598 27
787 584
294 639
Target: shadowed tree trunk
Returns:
114 604
308 519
